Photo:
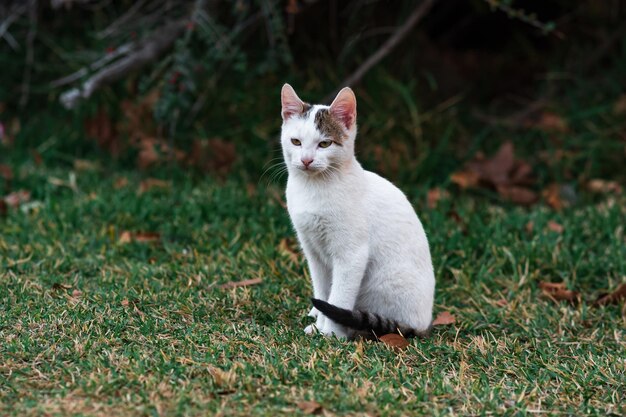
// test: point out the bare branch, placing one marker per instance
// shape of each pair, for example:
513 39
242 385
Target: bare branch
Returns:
415 16
146 52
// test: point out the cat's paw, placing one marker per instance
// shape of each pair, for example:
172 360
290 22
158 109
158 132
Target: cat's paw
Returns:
311 329
314 313
331 328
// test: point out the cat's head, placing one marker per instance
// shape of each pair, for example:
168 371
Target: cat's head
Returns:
317 138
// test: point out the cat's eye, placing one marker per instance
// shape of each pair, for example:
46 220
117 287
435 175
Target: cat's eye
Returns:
296 142
325 143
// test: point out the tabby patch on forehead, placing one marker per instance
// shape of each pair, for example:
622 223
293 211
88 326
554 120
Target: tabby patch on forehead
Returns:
327 125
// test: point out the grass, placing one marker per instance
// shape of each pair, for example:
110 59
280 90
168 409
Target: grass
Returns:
92 326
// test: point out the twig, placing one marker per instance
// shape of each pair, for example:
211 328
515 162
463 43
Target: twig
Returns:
125 49
387 47
6 24
146 52
121 20
30 51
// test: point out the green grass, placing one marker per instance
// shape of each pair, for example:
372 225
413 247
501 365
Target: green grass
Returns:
91 326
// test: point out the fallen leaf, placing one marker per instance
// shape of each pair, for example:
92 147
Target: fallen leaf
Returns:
310 407
529 227
465 179
146 237
150 183
517 195
395 341
613 298
555 227
496 170
17 198
549 122
444 318
244 283
604 187
76 293
434 196
552 195
140 237
557 291
125 237
125 302
286 247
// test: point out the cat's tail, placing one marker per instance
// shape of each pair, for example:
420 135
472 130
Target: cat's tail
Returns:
365 321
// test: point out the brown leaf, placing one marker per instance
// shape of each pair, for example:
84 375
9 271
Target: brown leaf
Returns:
496 170
557 291
529 227
434 196
77 293
604 187
555 227
125 302
395 341
444 318
140 237
465 179
150 183
286 247
613 298
517 195
244 283
125 237
17 198
552 195
310 407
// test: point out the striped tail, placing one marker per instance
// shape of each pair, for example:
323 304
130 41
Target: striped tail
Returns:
364 321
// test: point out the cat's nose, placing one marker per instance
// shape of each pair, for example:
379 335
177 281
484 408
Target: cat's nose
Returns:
307 162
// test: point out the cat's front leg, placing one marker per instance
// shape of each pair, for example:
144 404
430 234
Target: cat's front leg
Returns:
320 280
348 271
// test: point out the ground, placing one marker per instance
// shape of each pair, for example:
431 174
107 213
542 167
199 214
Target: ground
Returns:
96 321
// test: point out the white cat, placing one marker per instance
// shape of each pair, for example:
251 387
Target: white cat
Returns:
366 249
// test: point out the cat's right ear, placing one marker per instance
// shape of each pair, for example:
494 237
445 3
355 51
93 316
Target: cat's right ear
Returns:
291 103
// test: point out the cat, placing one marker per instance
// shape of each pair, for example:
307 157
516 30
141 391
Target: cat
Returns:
365 247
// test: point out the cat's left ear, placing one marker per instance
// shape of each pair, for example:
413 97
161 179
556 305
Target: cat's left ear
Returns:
344 107
291 103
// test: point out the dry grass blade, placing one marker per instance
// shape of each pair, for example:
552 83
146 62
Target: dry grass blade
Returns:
244 283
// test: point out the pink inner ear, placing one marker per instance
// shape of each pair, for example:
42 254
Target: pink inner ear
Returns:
345 111
291 103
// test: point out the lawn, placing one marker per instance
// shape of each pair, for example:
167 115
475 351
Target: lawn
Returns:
100 317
